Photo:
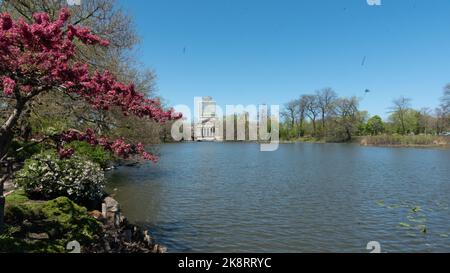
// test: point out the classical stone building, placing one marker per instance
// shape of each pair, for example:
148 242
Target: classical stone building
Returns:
205 128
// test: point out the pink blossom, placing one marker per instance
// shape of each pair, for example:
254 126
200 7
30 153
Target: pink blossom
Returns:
5 21
8 86
66 153
43 52
118 147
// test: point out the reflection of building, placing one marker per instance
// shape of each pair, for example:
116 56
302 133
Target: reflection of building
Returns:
205 128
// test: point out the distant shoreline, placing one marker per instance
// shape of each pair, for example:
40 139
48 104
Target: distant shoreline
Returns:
389 141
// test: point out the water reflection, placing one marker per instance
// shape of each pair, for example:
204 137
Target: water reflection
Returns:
209 197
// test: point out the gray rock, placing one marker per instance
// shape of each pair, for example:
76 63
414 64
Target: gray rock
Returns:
159 249
27 224
122 237
111 209
148 239
111 204
38 236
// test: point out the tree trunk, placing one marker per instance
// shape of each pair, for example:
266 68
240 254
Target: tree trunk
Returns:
314 127
349 135
5 142
301 134
2 211
6 137
402 120
6 131
293 121
324 131
2 203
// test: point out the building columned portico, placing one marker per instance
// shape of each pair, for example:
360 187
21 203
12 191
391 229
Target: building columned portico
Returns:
205 128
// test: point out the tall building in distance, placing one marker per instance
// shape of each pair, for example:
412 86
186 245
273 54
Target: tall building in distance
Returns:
205 128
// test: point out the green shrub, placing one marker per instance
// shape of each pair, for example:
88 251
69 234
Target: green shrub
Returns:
21 151
16 214
69 221
10 244
95 154
20 208
61 219
17 197
46 176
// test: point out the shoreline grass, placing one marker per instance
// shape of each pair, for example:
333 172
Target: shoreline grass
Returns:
405 141
383 141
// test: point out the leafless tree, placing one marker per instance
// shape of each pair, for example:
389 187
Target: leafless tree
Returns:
302 108
446 99
400 108
446 106
290 112
426 120
442 123
326 99
312 110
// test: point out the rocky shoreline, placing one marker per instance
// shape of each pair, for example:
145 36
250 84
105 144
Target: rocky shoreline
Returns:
120 236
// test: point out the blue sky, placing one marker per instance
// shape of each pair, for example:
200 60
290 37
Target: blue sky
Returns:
261 51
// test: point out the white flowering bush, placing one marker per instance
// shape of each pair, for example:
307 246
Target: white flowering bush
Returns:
47 176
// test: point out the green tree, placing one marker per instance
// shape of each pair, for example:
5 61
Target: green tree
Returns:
348 118
399 110
375 126
290 115
406 122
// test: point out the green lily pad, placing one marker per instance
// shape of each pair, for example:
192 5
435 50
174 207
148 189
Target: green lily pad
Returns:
404 225
416 220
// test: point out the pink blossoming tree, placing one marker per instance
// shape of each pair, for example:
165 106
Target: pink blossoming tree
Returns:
38 57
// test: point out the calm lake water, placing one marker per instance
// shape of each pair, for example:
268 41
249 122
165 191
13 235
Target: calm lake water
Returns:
211 197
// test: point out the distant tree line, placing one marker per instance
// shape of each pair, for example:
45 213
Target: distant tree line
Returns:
327 116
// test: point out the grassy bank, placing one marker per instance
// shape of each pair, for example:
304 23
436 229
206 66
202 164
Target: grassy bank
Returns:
384 140
36 226
46 226
404 141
